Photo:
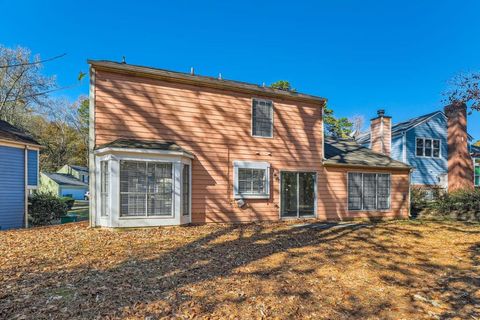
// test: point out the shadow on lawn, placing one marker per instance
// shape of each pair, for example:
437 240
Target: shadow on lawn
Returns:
118 291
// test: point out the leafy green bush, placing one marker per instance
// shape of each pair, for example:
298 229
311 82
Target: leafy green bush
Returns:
458 205
45 209
69 201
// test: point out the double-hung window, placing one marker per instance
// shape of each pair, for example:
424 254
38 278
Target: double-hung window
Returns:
146 188
262 118
251 180
104 186
429 148
368 191
477 171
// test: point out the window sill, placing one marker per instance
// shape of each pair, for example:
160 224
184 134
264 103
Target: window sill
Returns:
246 197
145 217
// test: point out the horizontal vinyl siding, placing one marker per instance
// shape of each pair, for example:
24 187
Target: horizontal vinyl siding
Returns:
397 148
32 167
12 186
215 126
427 170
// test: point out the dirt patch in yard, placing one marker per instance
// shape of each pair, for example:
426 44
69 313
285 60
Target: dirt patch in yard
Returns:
390 270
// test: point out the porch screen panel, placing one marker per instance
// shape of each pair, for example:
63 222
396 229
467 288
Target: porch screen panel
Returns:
383 191
369 191
354 191
159 189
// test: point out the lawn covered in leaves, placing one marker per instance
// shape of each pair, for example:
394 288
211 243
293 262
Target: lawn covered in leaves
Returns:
388 270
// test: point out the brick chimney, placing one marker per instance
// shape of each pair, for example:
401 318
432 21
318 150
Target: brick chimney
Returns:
460 165
381 133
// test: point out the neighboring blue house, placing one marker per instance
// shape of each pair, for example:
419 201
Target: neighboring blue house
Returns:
18 174
421 143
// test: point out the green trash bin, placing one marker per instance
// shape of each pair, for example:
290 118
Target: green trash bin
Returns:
69 218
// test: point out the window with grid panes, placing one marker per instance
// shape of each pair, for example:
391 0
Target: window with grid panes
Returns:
104 185
368 191
146 188
428 148
262 118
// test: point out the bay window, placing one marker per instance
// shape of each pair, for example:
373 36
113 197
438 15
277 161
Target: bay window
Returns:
146 188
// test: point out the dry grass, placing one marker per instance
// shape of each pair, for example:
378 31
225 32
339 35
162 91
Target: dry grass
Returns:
390 270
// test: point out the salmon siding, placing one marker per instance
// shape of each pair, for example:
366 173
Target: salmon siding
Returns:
215 126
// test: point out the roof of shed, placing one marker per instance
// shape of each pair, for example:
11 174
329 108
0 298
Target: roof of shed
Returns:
65 179
144 144
79 168
12 133
347 152
200 80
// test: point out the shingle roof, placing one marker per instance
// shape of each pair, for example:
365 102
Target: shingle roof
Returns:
475 151
200 80
65 179
79 168
144 144
399 127
349 153
12 133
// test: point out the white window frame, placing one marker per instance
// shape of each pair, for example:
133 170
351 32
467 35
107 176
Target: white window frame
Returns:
376 192
251 165
105 201
146 216
251 120
428 157
476 163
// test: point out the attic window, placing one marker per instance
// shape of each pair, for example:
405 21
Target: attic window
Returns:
262 118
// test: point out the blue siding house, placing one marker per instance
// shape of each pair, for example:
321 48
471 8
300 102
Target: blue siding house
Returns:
420 142
18 174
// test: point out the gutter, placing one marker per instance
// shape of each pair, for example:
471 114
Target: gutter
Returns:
179 77
364 166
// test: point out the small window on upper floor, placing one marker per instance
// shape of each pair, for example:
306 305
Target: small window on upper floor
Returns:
429 148
262 118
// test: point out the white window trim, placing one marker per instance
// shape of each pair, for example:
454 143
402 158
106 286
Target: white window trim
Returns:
146 216
251 165
376 194
430 157
251 118
35 187
475 164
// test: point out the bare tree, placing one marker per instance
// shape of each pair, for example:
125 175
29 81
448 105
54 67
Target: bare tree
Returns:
465 88
23 89
357 121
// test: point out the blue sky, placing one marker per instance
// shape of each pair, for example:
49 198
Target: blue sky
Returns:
361 55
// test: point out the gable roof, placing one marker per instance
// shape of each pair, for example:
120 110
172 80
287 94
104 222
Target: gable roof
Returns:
65 179
401 127
187 78
14 134
348 152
